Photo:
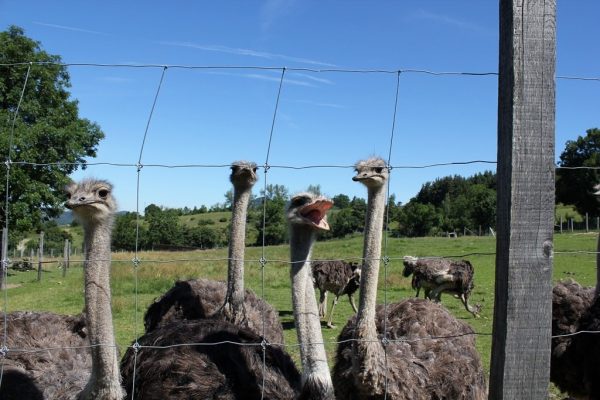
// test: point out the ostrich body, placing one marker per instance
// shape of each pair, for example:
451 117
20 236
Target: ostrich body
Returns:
226 362
574 362
337 277
203 298
60 373
73 372
306 215
419 367
436 276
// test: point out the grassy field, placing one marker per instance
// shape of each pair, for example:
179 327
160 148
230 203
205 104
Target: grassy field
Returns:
158 271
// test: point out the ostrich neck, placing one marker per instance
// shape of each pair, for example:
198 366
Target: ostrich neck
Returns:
306 314
105 367
365 319
237 242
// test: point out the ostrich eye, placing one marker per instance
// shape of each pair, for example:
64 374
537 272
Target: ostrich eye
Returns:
68 196
103 193
255 169
378 170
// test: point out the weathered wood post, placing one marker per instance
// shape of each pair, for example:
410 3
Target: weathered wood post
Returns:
40 256
520 366
4 261
65 258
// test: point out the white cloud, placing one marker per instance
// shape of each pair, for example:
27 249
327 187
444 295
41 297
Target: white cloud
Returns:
445 19
246 52
70 28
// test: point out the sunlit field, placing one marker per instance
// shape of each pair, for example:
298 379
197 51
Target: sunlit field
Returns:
158 270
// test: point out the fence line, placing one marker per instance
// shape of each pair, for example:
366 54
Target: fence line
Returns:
137 261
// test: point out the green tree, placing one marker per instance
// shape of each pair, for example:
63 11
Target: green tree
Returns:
124 232
416 219
47 130
275 228
164 229
575 186
341 201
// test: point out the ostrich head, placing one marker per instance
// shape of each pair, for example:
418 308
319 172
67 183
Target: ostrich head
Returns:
91 200
372 173
309 210
410 263
243 174
356 269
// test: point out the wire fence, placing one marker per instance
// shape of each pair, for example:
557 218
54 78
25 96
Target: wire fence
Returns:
140 165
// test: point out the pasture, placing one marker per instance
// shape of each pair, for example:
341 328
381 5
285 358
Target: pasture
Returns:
158 270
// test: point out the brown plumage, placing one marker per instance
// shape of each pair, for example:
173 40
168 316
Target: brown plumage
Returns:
439 275
60 372
575 360
438 359
570 302
338 277
201 298
418 367
207 371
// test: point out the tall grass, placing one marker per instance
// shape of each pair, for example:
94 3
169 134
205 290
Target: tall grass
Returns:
158 270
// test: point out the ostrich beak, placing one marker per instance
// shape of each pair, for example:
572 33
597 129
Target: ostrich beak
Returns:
316 213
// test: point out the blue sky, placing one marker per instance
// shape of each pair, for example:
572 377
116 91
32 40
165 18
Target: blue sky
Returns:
216 116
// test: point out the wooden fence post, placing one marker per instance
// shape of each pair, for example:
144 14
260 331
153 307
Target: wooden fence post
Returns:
40 256
65 258
520 367
4 261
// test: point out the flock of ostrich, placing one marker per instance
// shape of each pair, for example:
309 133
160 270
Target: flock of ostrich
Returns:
208 339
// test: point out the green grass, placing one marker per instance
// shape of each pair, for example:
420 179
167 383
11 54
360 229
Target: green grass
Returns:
157 272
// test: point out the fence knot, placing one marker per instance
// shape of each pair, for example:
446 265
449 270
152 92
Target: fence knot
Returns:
8 163
264 343
385 341
5 264
386 260
136 262
262 262
3 351
139 166
136 347
266 167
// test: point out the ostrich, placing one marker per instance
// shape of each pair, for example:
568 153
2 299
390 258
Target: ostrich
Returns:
63 374
574 366
338 277
442 275
224 360
203 298
93 204
417 366
306 214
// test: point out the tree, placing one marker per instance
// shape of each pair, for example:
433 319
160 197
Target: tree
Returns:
574 186
47 130
341 201
416 219
124 232
275 228
163 228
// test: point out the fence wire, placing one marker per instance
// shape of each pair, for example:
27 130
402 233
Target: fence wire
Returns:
138 261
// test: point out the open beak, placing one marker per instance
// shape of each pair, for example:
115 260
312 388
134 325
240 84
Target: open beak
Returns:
316 213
